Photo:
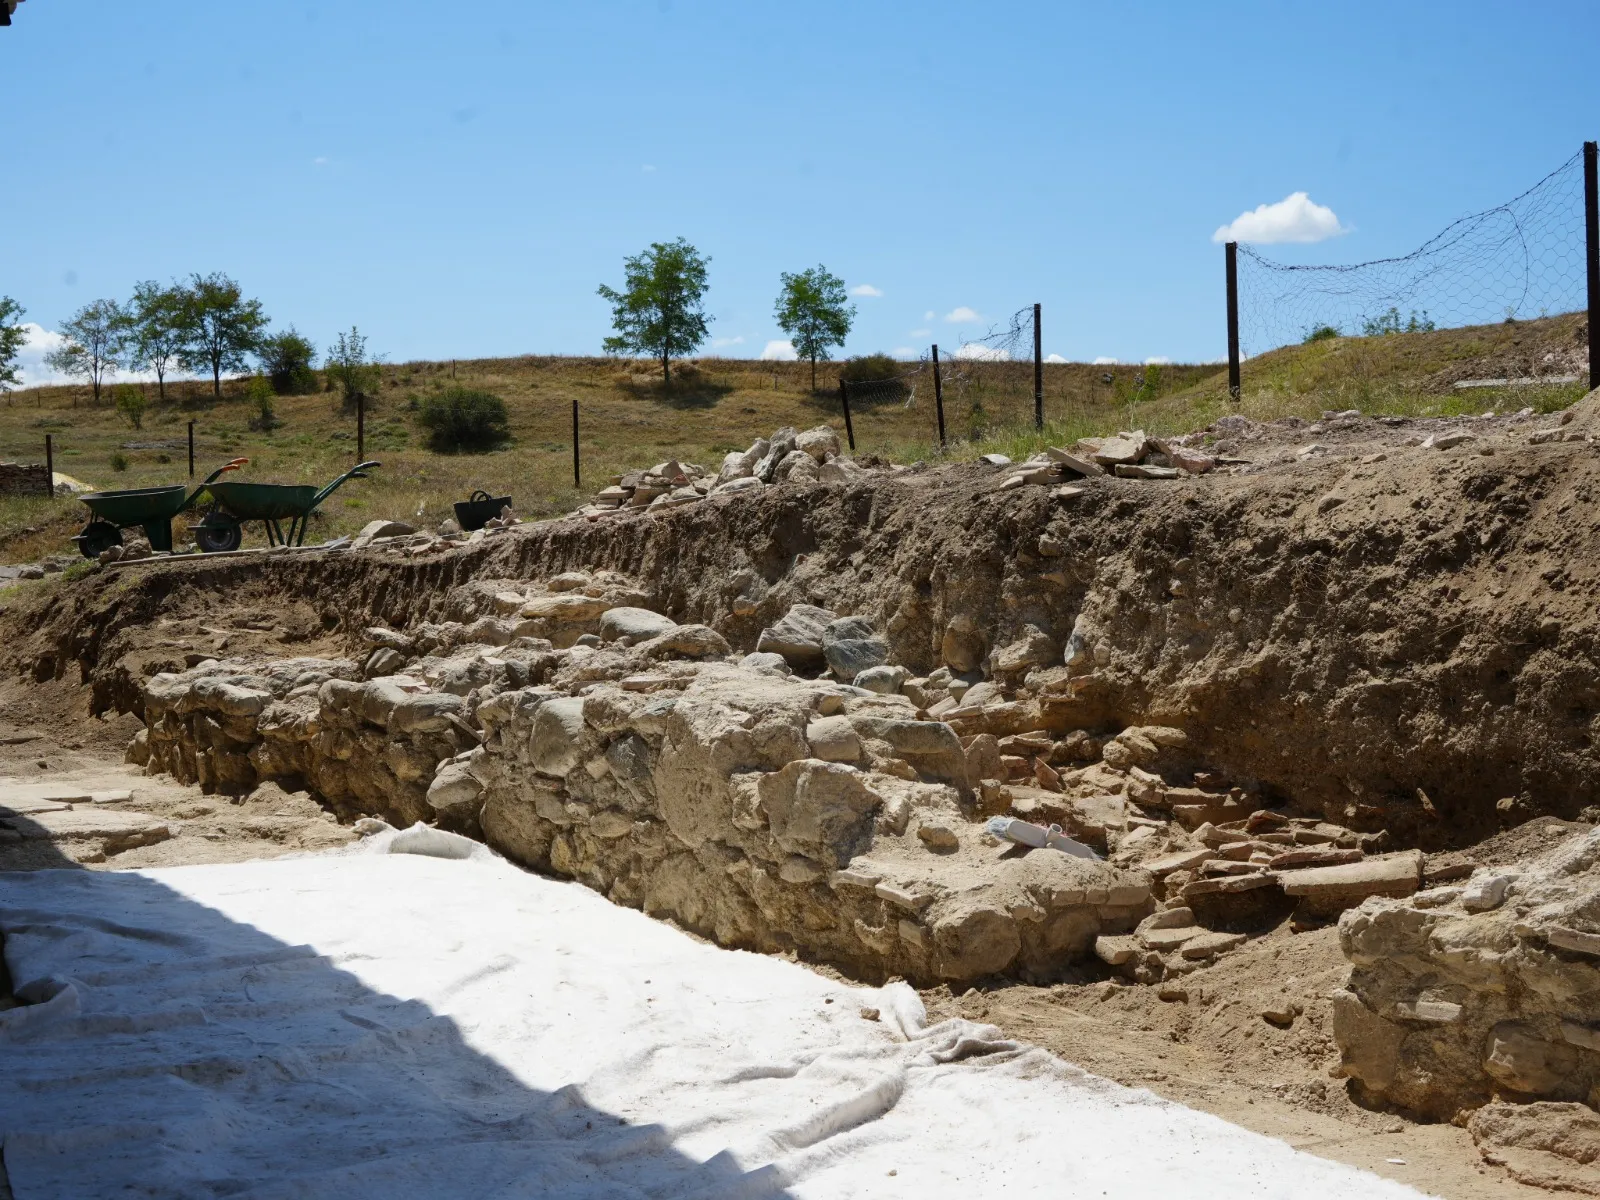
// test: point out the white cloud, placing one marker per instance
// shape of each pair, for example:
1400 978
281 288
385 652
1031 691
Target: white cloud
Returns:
920 333
320 160
779 351
719 343
865 289
978 352
1054 358
1102 361
929 315
646 169
961 316
1157 360
903 352
1295 218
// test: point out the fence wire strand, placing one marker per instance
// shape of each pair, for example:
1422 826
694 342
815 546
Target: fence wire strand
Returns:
1517 260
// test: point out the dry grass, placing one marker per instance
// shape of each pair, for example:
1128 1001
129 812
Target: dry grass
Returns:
628 420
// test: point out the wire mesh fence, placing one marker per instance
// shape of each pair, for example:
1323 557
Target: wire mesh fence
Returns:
1521 259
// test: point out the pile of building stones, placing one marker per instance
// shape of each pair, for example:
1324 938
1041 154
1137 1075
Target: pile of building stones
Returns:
788 456
1128 455
810 796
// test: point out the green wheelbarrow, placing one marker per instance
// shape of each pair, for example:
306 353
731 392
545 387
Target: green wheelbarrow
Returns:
222 528
152 508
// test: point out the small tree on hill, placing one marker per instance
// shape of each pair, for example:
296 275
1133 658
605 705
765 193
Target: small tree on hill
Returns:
658 311
12 338
95 340
350 369
813 311
221 329
289 361
155 330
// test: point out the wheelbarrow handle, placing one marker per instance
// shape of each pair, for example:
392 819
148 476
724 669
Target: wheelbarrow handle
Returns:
231 465
356 472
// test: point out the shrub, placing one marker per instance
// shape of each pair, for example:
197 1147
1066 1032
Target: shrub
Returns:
1386 323
1320 333
119 461
131 404
287 360
460 419
260 392
866 368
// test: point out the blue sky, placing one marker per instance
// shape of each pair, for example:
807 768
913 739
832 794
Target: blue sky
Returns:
458 179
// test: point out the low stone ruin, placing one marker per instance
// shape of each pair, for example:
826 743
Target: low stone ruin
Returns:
1127 455
810 796
1482 989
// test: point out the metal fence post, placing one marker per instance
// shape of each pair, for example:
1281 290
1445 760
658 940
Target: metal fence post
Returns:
191 449
1231 254
361 427
844 400
1038 373
49 465
938 396
1591 237
577 475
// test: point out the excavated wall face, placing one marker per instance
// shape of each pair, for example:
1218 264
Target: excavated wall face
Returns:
1400 645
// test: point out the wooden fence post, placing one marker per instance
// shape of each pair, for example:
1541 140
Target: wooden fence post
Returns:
191 449
938 396
361 427
50 464
1038 373
844 399
577 471
1591 237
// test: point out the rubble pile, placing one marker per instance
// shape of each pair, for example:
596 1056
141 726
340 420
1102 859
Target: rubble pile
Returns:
788 456
1127 455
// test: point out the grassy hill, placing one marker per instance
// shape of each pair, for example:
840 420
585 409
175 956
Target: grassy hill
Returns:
628 420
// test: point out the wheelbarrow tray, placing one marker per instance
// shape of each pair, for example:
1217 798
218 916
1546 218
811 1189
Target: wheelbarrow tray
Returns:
138 506
265 501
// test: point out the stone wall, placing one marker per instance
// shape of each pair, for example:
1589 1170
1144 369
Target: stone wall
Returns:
24 479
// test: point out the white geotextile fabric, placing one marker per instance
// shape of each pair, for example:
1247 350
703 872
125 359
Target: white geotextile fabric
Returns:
395 1025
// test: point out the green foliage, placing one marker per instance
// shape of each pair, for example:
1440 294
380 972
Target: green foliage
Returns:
1321 333
1389 322
218 327
78 570
154 319
261 393
464 419
289 361
96 337
130 403
865 368
11 340
814 311
350 369
658 311
119 461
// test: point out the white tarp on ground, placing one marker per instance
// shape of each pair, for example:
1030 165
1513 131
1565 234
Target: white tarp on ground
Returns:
391 1025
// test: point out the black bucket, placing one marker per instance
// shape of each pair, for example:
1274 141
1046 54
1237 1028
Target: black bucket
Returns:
479 508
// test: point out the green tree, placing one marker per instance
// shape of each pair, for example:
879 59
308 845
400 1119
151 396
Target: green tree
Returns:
12 339
220 328
155 330
813 311
96 339
350 369
658 311
289 361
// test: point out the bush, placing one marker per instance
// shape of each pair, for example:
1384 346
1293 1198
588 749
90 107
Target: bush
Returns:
1386 323
866 368
1320 333
130 403
119 461
260 392
460 419
287 360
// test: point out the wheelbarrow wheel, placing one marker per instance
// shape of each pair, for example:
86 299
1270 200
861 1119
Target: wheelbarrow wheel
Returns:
97 537
216 537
